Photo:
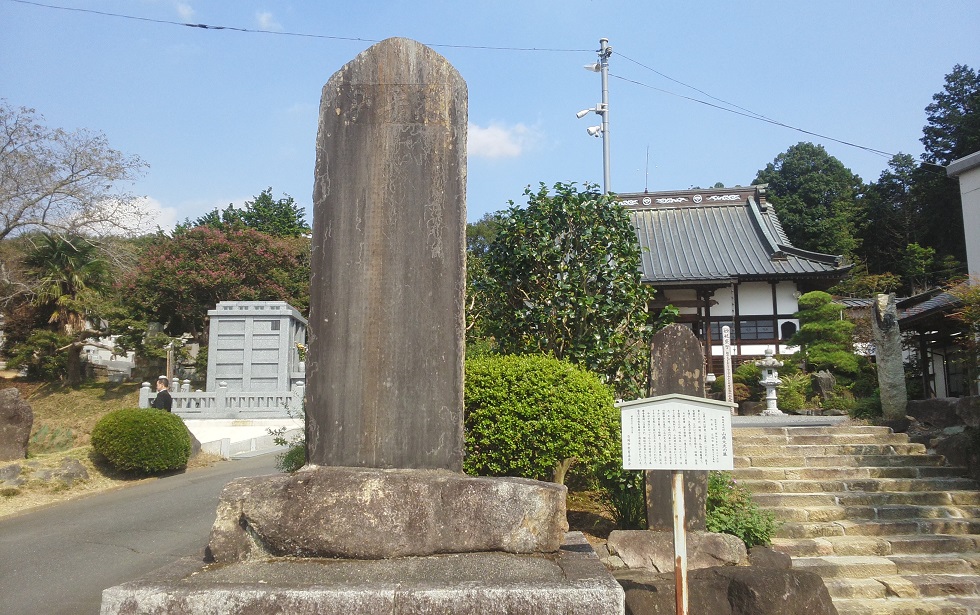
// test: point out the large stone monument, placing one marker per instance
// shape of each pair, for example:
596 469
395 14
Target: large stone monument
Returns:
385 381
381 520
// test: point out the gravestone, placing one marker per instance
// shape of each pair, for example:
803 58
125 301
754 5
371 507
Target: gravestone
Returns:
16 421
385 366
676 366
888 356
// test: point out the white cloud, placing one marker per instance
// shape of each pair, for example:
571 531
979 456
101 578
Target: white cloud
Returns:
185 11
498 140
267 22
158 215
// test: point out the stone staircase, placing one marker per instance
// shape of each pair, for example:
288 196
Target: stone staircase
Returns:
890 528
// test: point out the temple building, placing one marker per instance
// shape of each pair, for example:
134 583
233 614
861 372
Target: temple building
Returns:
721 257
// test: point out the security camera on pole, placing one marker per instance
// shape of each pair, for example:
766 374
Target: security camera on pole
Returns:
601 109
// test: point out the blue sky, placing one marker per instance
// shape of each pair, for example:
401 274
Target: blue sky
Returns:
220 115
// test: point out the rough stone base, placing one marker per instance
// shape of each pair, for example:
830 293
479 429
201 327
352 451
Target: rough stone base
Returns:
569 582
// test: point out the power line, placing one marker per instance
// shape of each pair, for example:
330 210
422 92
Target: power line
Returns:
728 106
203 26
756 116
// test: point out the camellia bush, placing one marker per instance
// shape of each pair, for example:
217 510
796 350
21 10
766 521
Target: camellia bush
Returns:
534 416
143 441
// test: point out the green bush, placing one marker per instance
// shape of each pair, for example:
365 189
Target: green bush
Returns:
533 416
142 441
793 392
293 459
730 510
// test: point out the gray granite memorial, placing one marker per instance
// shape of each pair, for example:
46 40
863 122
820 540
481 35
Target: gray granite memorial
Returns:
381 520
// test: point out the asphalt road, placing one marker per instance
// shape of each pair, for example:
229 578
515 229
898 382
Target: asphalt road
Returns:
58 560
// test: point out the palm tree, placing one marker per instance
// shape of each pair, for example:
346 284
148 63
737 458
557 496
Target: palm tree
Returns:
70 274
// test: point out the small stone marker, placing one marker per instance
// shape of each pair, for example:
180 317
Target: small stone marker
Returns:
16 421
676 366
385 368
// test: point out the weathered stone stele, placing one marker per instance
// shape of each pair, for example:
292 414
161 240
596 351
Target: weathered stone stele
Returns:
676 366
385 370
889 357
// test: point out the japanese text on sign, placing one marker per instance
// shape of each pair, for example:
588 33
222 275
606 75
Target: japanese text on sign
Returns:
677 437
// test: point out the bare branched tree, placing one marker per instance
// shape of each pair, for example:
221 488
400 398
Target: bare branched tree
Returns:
62 182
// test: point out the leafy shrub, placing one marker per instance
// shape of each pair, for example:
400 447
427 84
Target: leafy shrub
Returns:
749 374
624 494
142 441
730 510
533 416
740 392
793 391
293 459
866 407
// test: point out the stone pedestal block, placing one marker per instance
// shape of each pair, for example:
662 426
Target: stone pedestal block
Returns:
655 550
369 513
568 582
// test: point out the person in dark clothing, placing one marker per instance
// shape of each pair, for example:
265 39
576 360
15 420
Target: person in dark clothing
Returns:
163 401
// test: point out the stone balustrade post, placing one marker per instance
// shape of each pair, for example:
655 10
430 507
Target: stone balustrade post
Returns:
144 401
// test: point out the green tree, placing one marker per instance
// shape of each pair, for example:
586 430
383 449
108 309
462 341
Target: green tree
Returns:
952 131
824 336
56 181
178 280
71 277
816 198
277 217
562 278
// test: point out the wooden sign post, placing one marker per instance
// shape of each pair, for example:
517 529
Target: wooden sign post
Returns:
677 433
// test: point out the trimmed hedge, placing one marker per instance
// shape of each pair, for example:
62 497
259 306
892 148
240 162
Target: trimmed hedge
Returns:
142 440
533 416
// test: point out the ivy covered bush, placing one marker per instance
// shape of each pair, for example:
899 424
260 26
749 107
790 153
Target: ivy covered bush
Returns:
143 441
534 416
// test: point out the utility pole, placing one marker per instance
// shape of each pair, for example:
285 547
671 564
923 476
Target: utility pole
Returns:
601 109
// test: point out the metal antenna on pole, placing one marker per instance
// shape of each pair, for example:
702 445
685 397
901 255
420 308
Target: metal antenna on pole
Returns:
601 109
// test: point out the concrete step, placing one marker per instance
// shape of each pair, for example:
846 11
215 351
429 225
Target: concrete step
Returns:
837 461
909 606
948 497
739 438
883 513
805 474
877 528
965 546
864 589
824 450
749 432
847 566
940 563
869 487
931 585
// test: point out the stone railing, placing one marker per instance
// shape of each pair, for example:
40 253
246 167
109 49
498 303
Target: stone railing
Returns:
224 404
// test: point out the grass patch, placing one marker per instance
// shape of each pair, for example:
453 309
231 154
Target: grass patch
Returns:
60 408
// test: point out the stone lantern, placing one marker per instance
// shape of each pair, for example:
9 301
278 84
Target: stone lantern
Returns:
770 380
